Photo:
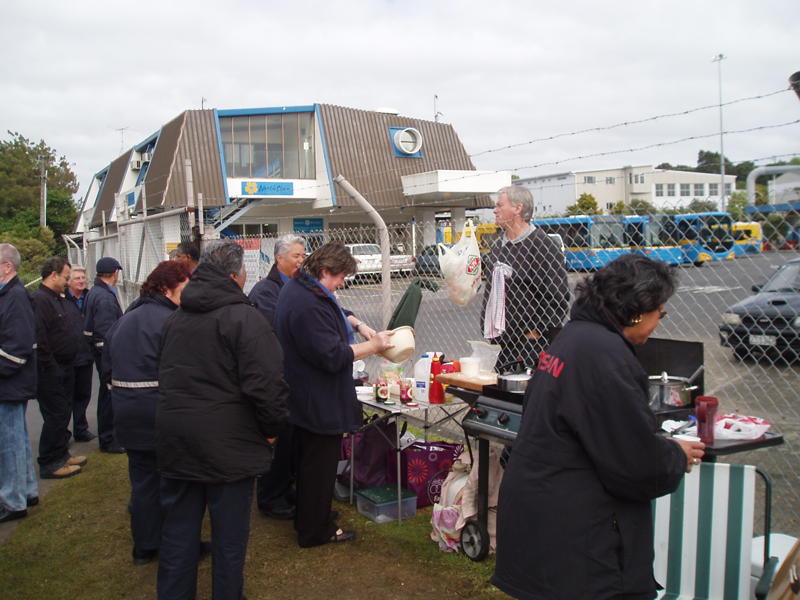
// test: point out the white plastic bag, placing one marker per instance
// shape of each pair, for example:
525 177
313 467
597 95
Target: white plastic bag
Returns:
461 266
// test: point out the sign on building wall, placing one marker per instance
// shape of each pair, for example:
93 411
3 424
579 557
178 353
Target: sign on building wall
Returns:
267 188
307 225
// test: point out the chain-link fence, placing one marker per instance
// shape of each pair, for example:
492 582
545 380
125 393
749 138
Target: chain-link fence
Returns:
750 342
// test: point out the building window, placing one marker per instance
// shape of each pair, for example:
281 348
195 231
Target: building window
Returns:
728 188
609 205
630 177
713 189
588 179
641 178
699 189
670 189
659 189
269 146
610 180
686 189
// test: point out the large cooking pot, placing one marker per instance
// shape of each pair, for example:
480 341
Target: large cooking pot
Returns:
669 391
511 381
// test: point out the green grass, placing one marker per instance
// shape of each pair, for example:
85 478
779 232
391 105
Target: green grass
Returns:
76 544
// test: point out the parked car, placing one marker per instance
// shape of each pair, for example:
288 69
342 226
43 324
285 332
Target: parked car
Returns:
368 260
427 262
399 261
767 324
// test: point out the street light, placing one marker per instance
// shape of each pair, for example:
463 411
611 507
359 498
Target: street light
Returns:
718 59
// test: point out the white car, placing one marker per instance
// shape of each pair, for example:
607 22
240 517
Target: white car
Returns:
368 259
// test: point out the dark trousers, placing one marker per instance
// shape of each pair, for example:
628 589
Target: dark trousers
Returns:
54 391
81 396
274 488
145 504
105 411
317 456
184 503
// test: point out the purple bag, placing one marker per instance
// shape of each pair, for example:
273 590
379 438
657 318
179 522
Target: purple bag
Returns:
425 466
374 461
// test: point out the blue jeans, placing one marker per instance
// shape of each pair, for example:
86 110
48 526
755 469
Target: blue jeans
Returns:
17 474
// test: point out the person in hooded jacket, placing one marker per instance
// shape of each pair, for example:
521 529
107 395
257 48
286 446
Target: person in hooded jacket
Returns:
318 341
574 519
222 401
130 362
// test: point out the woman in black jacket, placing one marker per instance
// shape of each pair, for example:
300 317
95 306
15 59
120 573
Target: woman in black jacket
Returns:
131 356
319 350
574 518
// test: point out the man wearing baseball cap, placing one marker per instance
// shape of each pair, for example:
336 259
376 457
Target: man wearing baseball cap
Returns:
102 311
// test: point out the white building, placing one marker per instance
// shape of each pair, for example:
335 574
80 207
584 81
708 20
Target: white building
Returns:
784 188
663 188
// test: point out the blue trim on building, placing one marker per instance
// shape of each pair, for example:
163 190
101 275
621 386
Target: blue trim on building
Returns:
324 144
273 110
222 157
397 152
143 144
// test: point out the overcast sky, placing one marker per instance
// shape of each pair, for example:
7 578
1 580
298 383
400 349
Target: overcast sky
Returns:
505 72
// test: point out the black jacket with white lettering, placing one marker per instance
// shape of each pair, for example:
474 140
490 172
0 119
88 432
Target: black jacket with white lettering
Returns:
574 518
17 343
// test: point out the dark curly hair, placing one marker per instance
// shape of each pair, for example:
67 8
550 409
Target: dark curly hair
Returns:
627 287
166 276
333 256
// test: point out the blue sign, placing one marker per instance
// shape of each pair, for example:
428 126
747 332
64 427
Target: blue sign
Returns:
308 225
267 188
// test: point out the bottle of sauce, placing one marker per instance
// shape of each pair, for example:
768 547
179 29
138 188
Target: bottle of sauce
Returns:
706 413
436 392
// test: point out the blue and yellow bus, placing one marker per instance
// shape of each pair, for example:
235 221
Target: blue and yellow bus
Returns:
705 236
748 237
591 241
654 236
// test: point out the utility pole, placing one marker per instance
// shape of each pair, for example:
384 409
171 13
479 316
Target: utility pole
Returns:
202 103
43 190
718 59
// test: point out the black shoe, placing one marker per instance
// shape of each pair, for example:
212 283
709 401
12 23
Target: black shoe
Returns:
342 536
279 513
85 437
12 515
112 449
142 557
32 501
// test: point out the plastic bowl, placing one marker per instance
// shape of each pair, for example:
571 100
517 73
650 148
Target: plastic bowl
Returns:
403 345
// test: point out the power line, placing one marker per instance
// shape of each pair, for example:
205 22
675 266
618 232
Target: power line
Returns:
628 123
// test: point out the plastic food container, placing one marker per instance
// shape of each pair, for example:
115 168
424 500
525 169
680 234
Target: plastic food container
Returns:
379 504
403 345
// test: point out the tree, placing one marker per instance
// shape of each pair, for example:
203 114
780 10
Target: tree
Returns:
20 169
620 208
708 162
696 206
585 205
639 206
737 202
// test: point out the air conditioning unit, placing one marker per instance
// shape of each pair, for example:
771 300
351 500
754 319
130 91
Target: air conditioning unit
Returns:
136 165
146 157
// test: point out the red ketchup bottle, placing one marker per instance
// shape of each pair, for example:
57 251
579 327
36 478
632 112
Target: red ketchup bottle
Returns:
436 393
706 412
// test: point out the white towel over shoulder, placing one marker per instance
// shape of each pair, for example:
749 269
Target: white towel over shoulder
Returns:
494 320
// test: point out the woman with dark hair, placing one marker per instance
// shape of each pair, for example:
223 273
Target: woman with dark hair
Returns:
574 517
131 356
319 349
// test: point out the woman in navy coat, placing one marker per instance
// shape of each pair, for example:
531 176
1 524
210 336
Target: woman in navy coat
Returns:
319 350
131 354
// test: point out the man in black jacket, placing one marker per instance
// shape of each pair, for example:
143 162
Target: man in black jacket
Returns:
222 400
526 296
17 385
274 489
57 344
101 311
